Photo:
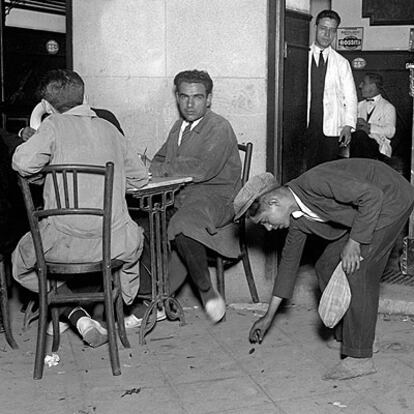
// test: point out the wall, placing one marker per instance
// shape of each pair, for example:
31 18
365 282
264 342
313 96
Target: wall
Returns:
129 52
375 37
129 62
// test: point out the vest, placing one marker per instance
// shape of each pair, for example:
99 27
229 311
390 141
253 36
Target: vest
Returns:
318 74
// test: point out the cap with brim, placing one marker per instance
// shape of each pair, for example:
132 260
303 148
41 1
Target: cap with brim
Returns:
254 188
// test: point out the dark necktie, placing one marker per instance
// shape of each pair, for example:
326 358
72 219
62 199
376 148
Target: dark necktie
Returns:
186 133
369 113
321 63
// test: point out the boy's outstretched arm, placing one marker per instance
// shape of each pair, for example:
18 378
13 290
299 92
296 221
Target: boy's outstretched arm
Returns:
262 325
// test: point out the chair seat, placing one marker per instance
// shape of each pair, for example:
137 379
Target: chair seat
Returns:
74 268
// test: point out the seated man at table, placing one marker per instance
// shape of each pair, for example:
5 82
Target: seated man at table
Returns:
201 145
75 135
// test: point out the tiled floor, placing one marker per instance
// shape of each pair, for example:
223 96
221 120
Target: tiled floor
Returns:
199 368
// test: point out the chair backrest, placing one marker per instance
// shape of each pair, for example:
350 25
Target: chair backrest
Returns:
248 150
65 181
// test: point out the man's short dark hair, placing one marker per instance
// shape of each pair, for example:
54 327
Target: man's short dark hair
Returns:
194 76
330 14
375 78
62 88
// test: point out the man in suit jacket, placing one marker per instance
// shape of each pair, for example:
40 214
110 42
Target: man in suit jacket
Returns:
332 99
202 145
358 208
376 121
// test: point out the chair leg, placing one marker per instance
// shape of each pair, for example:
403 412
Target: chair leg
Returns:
56 331
249 276
110 321
220 277
30 315
5 306
41 334
119 306
220 280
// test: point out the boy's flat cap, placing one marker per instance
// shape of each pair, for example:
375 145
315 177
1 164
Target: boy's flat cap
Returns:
254 188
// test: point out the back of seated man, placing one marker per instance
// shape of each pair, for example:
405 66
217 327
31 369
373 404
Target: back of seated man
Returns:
27 132
201 145
376 121
75 135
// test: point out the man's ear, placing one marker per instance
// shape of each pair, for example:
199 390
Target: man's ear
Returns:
209 99
49 108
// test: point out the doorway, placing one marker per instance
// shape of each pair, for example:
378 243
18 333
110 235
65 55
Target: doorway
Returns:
27 53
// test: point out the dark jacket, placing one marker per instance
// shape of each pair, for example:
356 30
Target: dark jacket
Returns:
358 196
212 158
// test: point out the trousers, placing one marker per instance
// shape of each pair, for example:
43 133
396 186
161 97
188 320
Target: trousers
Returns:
362 146
319 148
187 257
357 328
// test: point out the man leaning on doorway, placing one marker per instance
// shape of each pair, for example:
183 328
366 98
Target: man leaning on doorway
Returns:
332 98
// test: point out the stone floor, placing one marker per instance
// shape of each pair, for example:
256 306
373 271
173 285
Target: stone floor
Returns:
199 368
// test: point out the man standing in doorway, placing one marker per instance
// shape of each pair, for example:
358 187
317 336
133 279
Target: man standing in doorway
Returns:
332 99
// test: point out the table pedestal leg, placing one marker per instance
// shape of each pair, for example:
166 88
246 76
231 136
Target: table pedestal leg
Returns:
159 270
174 310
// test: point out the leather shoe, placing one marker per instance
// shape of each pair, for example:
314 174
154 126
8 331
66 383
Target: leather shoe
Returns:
135 319
215 308
92 332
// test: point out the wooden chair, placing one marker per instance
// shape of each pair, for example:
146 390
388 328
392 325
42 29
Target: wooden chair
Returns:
223 262
4 302
65 179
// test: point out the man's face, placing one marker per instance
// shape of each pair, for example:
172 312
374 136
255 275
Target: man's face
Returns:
368 88
192 100
276 216
325 32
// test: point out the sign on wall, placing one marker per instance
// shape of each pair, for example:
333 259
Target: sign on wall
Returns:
349 38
